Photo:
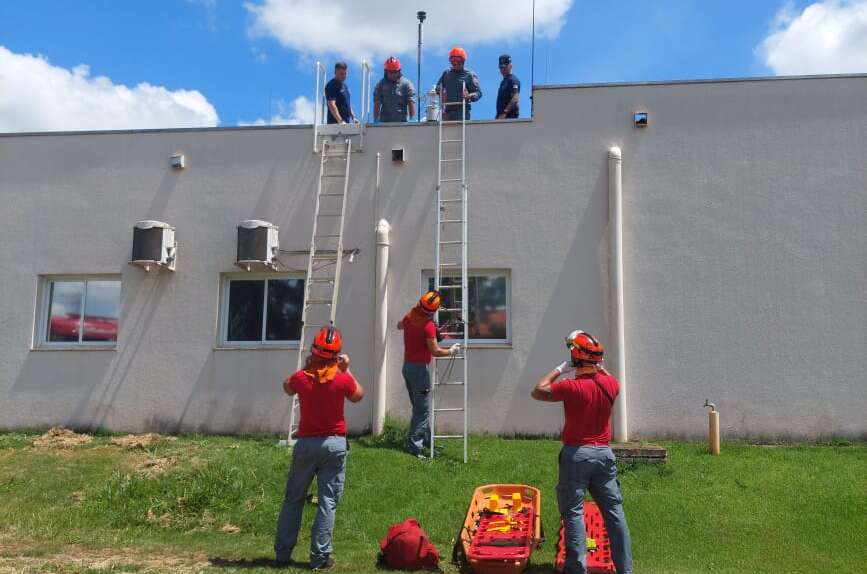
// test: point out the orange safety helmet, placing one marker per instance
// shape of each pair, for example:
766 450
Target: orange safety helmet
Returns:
458 52
327 343
430 301
392 64
584 347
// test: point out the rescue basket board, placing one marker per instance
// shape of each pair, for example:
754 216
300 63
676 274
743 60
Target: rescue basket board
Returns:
598 545
502 528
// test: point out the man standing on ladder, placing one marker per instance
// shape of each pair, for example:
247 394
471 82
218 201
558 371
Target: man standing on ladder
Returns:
458 83
586 460
322 386
420 345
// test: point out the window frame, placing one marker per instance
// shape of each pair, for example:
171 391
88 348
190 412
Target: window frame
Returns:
428 274
42 330
222 340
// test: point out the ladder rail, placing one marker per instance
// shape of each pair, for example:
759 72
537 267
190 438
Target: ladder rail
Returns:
462 287
310 280
344 201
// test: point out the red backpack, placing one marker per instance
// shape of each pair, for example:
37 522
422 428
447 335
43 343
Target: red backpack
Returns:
406 547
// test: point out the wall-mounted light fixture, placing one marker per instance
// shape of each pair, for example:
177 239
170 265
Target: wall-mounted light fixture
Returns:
640 119
179 161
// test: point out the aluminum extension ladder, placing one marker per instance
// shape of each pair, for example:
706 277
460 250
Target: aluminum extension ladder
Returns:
450 277
324 264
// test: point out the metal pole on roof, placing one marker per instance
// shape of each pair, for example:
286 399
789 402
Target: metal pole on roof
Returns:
532 58
421 15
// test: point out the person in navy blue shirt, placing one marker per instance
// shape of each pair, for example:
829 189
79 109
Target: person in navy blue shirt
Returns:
509 92
337 97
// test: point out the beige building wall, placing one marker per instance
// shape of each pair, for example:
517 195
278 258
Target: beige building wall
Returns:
745 259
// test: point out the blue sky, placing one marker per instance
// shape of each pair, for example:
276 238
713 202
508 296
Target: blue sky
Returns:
247 71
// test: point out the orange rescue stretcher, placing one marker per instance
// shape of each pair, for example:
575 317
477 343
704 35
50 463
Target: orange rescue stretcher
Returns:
502 528
599 559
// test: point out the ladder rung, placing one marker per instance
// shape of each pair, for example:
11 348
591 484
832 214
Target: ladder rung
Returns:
451 384
451 159
459 242
450 358
330 194
329 215
453 103
449 287
320 280
451 122
318 302
329 235
449 410
450 264
451 220
451 333
451 200
451 141
333 175
311 326
450 180
448 310
448 436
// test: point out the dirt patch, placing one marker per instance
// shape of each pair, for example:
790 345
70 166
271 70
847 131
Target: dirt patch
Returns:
229 529
59 437
155 466
21 559
147 440
78 497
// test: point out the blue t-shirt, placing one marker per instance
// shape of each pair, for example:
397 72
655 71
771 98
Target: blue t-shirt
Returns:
510 86
337 91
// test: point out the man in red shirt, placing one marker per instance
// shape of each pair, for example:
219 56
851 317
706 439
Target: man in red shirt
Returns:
320 450
419 346
586 460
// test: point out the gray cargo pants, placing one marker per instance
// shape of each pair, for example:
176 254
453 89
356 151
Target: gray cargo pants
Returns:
324 458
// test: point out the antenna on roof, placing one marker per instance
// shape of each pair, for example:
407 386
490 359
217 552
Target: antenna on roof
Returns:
421 15
532 58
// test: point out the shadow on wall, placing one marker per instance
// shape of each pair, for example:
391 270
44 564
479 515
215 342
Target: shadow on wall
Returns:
582 287
79 388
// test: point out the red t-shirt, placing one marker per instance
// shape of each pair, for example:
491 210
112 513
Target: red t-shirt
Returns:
587 409
415 341
322 403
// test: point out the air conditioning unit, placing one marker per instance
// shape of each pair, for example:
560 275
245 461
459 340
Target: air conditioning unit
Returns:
154 245
257 245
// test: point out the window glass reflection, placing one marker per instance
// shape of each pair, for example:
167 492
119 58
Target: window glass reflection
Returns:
285 298
64 316
488 313
246 299
102 308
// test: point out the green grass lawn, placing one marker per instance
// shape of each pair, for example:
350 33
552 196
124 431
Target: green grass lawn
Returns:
779 509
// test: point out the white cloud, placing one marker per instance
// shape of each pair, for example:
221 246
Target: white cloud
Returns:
354 29
828 37
37 96
300 111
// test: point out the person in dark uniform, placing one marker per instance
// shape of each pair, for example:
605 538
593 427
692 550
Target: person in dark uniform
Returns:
509 92
337 97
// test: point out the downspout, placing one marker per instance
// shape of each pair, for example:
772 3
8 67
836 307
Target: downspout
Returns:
380 327
617 354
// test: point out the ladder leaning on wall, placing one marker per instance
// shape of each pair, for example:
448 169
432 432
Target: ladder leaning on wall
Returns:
450 275
325 261
334 143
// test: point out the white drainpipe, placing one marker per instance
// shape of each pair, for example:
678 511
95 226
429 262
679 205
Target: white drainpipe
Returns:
380 328
617 353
